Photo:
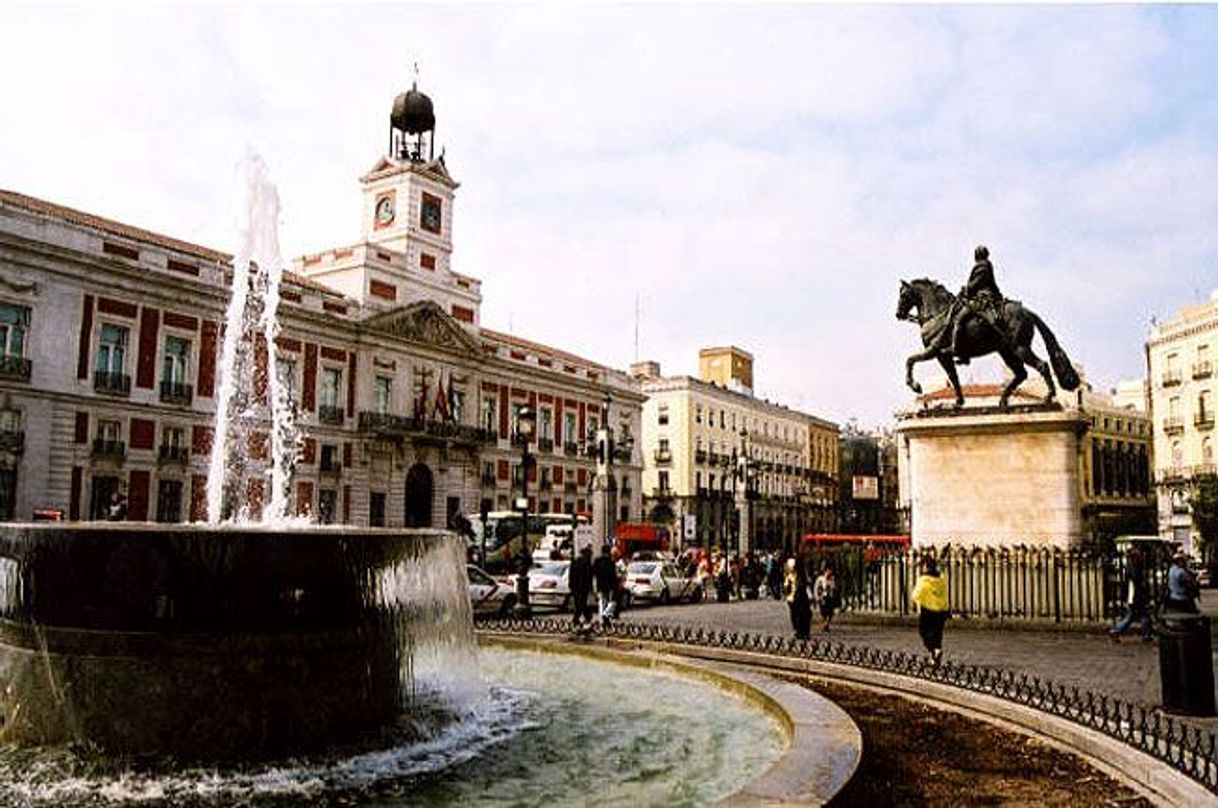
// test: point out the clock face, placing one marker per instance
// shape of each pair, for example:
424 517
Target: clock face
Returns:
429 214
384 210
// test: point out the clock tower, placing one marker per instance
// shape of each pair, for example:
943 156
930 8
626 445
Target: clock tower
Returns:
405 250
408 194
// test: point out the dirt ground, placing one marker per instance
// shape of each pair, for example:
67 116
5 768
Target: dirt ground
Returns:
914 755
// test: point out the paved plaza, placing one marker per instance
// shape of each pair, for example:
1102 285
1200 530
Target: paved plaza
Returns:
1086 659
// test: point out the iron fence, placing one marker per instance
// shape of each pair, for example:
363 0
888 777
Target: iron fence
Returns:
1015 582
1187 748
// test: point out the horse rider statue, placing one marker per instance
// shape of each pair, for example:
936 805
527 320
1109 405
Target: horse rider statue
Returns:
980 298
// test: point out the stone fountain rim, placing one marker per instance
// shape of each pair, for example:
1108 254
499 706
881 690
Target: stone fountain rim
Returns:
824 744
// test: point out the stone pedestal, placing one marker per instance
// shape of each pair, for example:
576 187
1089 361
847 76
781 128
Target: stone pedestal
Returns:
992 478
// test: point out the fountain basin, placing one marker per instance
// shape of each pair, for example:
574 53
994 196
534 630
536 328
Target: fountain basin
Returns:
228 643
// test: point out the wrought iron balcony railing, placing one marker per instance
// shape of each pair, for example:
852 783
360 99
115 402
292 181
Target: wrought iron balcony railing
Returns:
1203 370
12 440
663 456
1171 377
15 368
111 384
329 414
700 456
1203 420
1173 425
169 453
177 393
545 444
112 449
570 448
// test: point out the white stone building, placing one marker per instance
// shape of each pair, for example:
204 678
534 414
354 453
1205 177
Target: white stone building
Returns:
407 404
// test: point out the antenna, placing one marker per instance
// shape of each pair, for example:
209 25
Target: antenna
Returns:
636 327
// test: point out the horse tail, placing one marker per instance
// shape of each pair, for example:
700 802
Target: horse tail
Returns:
1067 376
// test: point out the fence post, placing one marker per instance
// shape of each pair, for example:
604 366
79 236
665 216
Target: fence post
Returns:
1057 601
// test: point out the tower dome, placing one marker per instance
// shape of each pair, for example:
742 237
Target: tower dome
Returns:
412 112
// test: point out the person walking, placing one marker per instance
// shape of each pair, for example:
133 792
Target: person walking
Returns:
930 594
580 578
826 595
604 576
1182 588
1137 599
795 592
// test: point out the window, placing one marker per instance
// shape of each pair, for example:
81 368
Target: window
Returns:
10 421
490 413
545 423
662 418
663 480
569 427
327 506
1204 411
173 443
169 501
1177 453
382 391
329 458
109 431
456 404
111 349
331 386
1207 451
173 367
722 420
698 414
594 425
8 493
376 509
285 370
14 320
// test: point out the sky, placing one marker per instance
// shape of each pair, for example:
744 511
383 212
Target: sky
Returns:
698 175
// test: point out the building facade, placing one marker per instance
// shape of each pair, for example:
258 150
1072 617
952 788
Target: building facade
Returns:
720 464
1181 384
407 406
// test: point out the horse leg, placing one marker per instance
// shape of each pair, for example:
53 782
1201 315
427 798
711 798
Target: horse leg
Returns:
1018 375
949 367
909 366
1025 354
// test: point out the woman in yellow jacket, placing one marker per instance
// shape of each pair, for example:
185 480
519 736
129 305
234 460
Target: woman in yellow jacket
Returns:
930 593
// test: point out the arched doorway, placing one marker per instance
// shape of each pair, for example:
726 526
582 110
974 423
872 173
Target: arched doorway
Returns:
419 491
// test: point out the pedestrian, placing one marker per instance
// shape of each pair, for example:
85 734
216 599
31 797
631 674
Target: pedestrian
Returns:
795 591
930 594
825 593
1182 588
774 576
1137 598
580 578
604 576
116 511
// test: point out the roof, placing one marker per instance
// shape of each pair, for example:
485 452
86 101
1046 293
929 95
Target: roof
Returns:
79 217
538 347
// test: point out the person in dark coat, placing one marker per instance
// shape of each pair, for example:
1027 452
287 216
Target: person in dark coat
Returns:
580 578
1137 599
795 591
604 575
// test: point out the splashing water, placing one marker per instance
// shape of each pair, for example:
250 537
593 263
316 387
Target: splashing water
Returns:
248 382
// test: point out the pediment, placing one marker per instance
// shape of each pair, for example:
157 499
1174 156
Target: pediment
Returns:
424 323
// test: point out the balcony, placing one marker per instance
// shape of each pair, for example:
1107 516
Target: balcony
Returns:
424 430
177 393
488 480
1170 378
1203 370
111 384
106 449
570 448
713 458
663 456
545 485
330 414
700 456
12 441
1203 420
702 493
622 453
330 466
545 444
570 488
1173 425
15 368
169 453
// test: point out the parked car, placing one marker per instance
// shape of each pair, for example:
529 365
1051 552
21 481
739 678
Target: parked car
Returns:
487 595
549 585
662 582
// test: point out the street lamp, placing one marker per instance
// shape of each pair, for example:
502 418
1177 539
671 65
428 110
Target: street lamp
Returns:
742 474
526 423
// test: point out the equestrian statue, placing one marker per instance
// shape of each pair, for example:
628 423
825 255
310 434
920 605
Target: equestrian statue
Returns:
977 322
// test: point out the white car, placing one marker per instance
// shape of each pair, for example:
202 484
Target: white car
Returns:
549 585
662 582
488 596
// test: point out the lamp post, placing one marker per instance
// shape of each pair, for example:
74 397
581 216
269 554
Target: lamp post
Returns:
742 474
526 422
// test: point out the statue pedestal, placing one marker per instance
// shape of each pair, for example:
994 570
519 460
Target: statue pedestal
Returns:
988 477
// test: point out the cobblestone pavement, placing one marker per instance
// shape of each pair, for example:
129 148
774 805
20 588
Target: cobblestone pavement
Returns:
1087 660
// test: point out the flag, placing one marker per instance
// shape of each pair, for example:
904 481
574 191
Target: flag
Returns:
441 401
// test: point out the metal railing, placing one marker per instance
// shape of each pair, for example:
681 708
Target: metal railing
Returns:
15 368
177 392
170 453
330 414
1187 748
1010 583
424 428
115 384
114 449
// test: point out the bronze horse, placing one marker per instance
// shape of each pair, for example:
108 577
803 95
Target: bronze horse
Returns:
935 307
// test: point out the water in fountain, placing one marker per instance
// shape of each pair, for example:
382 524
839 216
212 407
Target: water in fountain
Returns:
249 384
